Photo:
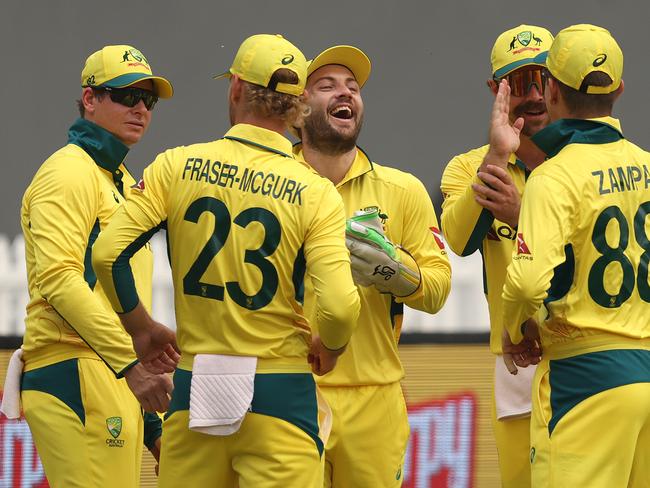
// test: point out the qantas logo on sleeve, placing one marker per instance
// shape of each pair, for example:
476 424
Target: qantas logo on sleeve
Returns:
437 236
522 247
139 185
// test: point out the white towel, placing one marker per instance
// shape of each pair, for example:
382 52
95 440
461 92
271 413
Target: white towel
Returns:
325 417
221 392
512 393
11 393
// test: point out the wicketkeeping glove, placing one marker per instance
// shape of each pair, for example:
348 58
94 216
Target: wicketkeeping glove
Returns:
375 260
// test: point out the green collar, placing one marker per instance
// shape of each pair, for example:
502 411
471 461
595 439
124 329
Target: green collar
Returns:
560 133
107 151
261 138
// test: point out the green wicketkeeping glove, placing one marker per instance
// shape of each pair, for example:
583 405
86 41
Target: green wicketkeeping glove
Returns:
375 260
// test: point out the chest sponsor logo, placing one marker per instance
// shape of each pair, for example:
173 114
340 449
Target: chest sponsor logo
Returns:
522 247
139 185
437 235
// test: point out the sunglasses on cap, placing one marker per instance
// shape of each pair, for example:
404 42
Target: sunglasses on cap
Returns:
521 81
131 96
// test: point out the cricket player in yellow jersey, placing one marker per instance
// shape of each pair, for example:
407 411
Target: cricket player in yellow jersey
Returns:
245 222
583 250
397 259
482 190
86 422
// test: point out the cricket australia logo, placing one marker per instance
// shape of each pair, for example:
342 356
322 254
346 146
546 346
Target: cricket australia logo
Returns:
133 57
386 271
525 37
114 426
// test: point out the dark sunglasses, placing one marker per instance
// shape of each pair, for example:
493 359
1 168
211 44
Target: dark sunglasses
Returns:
131 96
521 81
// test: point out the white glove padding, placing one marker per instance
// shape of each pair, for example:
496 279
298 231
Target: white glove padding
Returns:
376 261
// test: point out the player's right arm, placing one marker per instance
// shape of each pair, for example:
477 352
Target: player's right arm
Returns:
64 205
328 265
130 229
465 223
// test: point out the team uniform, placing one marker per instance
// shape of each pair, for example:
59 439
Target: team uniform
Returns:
468 227
245 222
82 417
583 250
370 425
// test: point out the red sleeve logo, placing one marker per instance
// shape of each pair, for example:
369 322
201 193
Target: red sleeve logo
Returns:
139 185
522 248
437 236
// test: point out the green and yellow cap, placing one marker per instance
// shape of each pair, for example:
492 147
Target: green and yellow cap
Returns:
524 45
582 49
351 57
261 55
121 66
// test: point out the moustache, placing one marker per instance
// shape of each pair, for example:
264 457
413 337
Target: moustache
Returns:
530 107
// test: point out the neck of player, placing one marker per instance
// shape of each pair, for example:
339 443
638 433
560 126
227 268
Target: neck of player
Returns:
333 167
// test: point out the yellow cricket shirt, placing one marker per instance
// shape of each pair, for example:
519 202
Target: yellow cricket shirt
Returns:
245 221
469 227
410 221
583 246
72 197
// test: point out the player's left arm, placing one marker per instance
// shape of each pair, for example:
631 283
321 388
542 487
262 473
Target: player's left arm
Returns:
541 251
421 240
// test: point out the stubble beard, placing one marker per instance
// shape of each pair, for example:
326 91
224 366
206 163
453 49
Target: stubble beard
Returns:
326 139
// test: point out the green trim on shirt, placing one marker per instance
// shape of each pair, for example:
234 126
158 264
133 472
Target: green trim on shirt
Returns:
396 308
122 273
89 272
577 378
61 380
298 275
257 144
554 137
482 227
562 277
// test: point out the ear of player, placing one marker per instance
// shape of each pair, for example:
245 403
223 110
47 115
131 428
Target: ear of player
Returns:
375 260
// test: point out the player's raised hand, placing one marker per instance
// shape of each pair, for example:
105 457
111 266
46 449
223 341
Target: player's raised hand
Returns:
504 136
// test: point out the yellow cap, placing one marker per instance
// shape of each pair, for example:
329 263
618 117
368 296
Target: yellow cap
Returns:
121 66
261 55
351 57
524 45
582 49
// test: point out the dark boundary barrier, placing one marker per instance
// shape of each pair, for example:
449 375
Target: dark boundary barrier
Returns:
10 342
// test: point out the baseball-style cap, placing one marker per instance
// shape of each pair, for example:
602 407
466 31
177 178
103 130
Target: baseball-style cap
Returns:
582 49
351 57
524 45
121 66
261 55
